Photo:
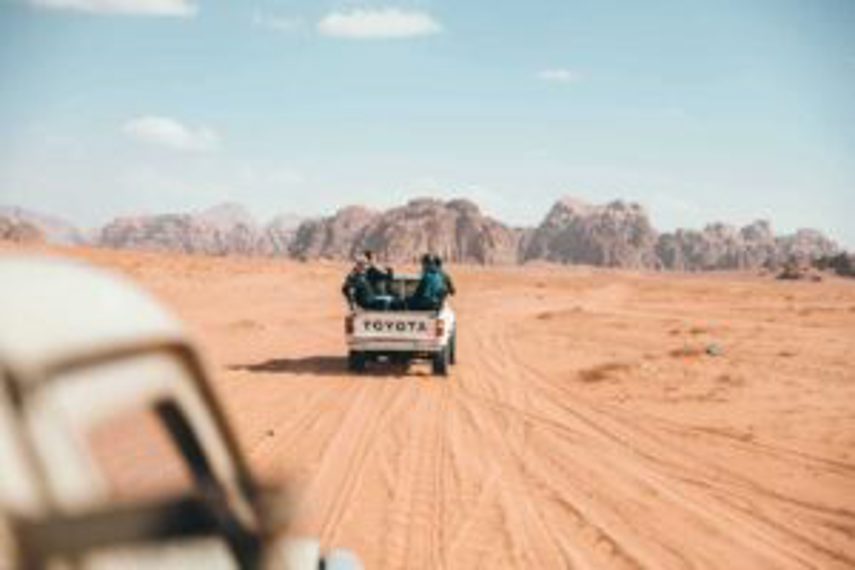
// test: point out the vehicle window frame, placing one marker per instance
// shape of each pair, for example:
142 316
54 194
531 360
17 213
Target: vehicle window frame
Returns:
236 523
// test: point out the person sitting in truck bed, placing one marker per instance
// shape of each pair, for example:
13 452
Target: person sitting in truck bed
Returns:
377 278
431 289
449 284
358 290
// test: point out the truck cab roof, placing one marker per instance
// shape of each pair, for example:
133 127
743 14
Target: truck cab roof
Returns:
80 311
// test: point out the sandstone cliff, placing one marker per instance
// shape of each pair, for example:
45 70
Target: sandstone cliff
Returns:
457 230
617 234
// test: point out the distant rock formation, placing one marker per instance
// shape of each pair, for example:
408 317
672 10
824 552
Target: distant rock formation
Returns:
721 247
226 229
279 233
54 229
618 234
456 230
337 236
805 245
19 231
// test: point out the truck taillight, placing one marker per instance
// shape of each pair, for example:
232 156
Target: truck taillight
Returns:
440 327
348 324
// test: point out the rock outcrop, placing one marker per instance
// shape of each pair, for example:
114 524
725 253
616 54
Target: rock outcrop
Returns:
53 229
617 234
337 236
724 247
457 230
280 233
223 230
19 231
804 246
718 246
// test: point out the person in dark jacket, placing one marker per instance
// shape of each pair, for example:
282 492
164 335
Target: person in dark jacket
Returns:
449 284
377 278
431 290
358 290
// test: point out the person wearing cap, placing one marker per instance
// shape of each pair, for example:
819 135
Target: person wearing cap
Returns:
430 291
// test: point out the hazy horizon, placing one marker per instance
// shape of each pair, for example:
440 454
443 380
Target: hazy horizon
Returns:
729 112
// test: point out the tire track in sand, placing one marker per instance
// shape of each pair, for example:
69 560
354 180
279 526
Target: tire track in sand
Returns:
331 491
690 483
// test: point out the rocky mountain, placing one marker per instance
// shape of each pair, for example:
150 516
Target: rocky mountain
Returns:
805 245
720 246
338 236
54 229
617 234
19 231
457 230
227 229
620 234
279 233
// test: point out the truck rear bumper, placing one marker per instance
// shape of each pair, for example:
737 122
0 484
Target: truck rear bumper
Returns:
390 346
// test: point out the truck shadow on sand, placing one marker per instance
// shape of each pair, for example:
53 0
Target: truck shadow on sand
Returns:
323 366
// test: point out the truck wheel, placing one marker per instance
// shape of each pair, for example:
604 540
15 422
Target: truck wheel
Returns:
440 362
452 348
356 361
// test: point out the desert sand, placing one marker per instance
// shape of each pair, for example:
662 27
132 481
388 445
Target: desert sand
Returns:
596 419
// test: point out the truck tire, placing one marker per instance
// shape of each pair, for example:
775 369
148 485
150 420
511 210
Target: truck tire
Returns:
452 348
356 361
440 362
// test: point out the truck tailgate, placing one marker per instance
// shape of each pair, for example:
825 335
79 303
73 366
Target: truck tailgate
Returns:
395 326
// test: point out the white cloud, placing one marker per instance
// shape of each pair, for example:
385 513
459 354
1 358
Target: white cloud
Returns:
170 133
558 75
385 23
179 8
278 23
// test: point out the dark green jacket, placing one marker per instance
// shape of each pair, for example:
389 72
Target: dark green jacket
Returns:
431 287
358 290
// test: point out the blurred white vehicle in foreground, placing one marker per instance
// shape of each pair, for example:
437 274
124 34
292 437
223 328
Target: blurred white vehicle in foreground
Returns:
98 384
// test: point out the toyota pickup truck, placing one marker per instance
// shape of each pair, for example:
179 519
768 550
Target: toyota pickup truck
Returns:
114 450
402 336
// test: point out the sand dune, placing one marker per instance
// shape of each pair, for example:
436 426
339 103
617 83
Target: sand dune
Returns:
595 420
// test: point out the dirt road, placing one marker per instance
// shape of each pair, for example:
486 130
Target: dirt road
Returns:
595 419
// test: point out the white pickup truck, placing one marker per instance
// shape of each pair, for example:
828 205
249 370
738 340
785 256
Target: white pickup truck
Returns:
402 335
114 451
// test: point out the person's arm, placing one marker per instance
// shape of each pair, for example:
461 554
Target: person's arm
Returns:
347 291
449 285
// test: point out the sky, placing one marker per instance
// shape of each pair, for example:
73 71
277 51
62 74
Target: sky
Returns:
730 110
